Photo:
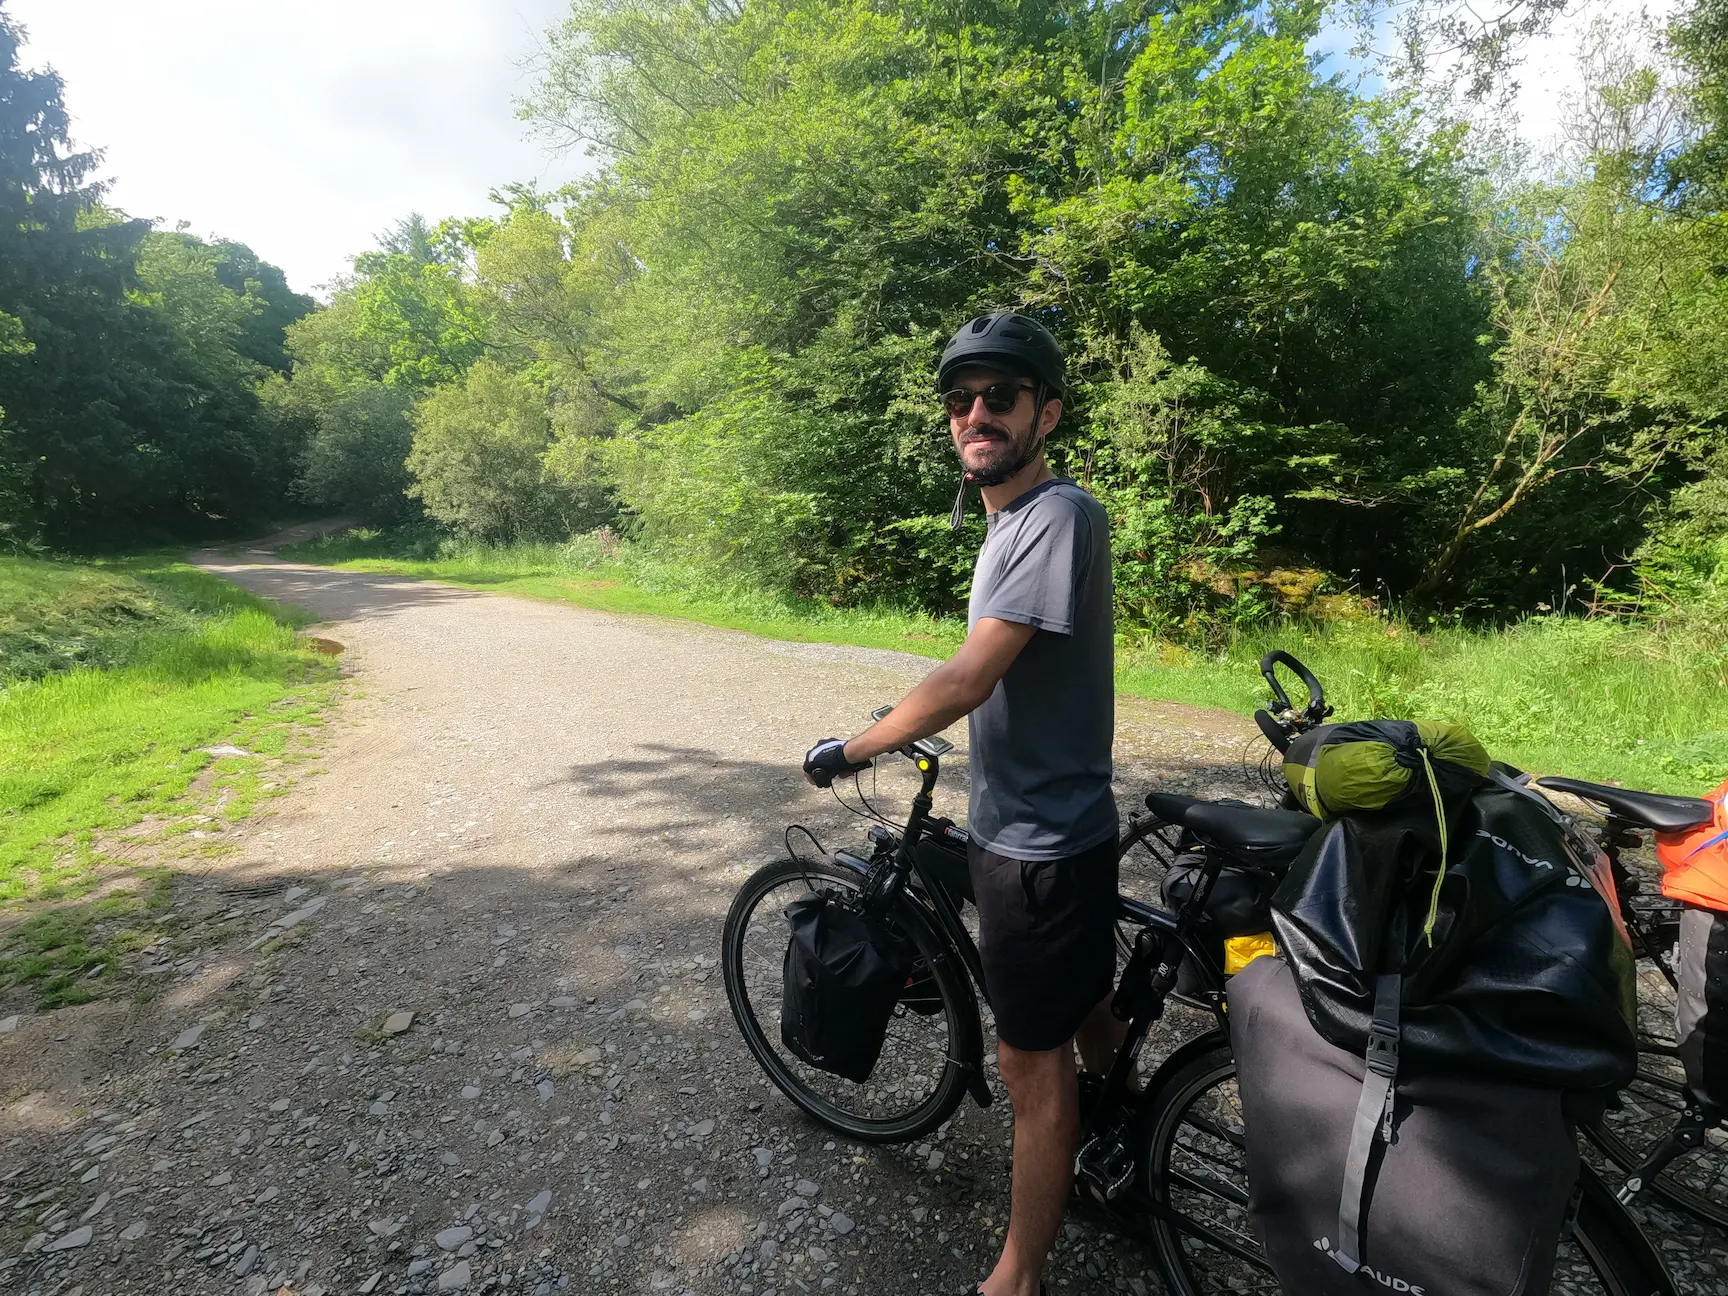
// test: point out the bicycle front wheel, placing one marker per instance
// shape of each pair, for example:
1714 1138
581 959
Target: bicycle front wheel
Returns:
1197 1175
921 1075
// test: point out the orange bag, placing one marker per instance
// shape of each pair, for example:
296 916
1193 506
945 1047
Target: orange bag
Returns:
1695 862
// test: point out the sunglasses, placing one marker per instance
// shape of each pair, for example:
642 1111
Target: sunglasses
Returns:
999 398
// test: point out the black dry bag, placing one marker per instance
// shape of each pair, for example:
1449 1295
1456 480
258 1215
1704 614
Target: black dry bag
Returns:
845 970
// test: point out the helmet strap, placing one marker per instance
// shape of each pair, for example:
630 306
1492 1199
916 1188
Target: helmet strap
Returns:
957 518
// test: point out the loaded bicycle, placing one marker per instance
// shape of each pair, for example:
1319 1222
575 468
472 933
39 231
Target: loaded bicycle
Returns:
1168 1160
1664 1140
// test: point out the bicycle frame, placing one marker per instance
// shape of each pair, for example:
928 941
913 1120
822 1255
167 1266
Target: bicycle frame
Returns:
1145 983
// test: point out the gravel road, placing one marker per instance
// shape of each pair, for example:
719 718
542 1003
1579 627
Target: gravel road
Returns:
451 1018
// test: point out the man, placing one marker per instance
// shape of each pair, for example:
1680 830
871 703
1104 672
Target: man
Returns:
1036 678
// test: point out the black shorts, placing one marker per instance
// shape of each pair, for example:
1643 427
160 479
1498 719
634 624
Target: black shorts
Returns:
1047 934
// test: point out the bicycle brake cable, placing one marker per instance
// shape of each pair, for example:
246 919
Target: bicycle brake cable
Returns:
862 814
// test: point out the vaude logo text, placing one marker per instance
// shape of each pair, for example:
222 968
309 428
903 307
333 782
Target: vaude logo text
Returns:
1505 845
1386 1280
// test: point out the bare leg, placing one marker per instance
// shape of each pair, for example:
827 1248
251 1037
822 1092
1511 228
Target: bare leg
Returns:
1042 1089
1099 1037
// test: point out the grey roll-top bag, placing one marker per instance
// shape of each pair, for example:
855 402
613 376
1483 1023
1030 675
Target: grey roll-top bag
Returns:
1469 1199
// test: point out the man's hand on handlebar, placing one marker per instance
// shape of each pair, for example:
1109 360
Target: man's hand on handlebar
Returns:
826 761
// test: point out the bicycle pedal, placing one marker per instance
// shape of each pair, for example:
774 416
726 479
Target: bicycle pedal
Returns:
1105 1166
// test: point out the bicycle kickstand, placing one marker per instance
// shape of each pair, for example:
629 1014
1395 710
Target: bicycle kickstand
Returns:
1689 1132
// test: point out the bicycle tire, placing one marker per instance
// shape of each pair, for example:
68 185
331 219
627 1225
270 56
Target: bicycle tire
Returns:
1139 877
797 1080
1622 1256
1621 1259
1626 1143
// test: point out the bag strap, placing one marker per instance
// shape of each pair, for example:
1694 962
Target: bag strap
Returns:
1373 1115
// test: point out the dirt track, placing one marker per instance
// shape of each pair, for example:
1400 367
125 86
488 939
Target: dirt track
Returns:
528 826
530 822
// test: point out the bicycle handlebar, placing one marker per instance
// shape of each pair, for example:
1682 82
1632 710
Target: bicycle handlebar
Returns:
1283 722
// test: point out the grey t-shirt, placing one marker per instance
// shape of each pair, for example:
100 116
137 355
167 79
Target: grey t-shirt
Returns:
1041 743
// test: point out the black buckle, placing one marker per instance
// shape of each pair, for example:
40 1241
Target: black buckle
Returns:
1382 1054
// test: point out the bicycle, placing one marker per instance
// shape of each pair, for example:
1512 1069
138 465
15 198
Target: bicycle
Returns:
1173 1161
1653 1130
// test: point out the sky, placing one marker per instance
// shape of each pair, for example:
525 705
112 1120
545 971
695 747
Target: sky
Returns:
306 128
303 128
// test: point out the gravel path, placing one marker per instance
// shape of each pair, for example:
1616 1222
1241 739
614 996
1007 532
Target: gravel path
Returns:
453 1020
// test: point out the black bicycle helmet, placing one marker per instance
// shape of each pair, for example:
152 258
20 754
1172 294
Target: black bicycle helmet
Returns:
1005 340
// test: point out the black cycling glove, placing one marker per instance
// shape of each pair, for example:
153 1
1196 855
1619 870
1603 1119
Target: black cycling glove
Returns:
826 761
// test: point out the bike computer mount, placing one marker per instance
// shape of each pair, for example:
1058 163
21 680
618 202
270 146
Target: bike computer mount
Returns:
932 747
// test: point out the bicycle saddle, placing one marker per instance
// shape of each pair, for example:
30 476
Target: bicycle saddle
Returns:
1170 807
1260 836
1645 809
1257 836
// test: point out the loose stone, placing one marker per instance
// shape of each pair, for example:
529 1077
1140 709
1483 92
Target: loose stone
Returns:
78 1237
188 1038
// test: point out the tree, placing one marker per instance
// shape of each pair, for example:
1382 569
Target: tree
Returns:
1591 307
808 198
355 455
129 366
479 461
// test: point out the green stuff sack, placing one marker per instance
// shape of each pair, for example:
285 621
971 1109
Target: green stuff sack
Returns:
1370 764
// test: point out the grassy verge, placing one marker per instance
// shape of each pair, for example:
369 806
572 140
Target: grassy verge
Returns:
116 676
1599 699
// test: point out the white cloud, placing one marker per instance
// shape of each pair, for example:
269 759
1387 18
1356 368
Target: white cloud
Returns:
303 129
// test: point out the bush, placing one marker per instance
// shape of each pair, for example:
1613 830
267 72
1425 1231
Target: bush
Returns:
478 462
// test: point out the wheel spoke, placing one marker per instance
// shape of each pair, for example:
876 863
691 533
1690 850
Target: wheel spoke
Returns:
1209 1184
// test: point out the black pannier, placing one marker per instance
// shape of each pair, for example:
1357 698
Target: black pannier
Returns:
1513 963
844 972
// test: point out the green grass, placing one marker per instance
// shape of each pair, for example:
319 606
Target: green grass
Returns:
1602 699
1607 700
112 737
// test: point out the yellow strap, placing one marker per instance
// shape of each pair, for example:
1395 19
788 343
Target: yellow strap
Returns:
1440 818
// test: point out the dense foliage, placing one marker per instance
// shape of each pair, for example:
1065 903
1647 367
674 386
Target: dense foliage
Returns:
130 358
1323 340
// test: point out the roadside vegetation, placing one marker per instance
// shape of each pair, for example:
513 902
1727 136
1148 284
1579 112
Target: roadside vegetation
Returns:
1353 371
115 679
1637 700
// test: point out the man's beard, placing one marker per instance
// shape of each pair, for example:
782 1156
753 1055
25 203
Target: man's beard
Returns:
1005 458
